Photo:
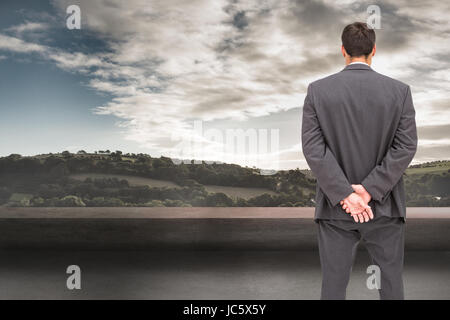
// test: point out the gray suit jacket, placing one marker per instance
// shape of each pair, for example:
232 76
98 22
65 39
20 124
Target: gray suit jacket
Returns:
359 127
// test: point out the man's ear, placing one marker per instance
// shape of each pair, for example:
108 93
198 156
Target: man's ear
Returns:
374 49
344 53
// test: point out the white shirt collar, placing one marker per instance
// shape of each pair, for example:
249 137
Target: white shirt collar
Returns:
358 62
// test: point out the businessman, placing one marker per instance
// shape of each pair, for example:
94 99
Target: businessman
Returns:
358 137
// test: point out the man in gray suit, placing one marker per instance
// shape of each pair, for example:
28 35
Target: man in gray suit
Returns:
358 137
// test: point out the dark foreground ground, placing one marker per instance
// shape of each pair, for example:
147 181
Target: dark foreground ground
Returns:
41 274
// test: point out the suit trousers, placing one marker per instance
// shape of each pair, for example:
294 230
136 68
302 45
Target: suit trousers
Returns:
338 241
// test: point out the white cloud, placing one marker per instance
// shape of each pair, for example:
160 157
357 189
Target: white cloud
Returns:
28 27
17 45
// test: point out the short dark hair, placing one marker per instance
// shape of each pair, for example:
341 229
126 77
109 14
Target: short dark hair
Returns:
358 39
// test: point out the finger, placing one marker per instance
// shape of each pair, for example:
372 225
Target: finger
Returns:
366 216
344 206
355 217
342 202
363 206
361 218
347 210
369 211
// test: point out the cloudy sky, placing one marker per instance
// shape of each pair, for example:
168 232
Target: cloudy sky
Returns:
144 76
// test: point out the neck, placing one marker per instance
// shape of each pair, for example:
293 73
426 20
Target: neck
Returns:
349 60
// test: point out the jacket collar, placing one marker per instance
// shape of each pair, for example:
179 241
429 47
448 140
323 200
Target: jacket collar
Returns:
357 66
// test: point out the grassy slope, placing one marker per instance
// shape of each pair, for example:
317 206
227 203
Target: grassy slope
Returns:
232 192
132 180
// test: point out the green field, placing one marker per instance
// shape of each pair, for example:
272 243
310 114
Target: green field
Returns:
132 180
232 192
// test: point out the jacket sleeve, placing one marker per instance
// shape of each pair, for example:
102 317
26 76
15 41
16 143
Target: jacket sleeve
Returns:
330 177
381 180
